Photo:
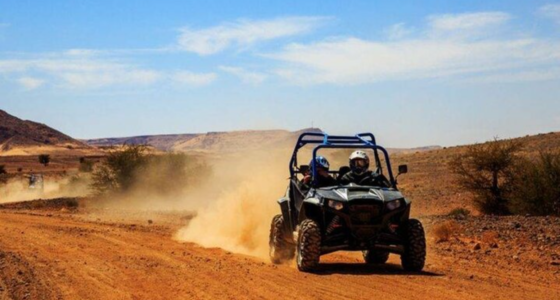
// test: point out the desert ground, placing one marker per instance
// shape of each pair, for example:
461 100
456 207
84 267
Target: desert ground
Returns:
211 240
58 251
77 248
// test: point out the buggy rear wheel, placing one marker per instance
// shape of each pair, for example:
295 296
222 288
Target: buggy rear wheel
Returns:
375 257
280 250
308 246
414 255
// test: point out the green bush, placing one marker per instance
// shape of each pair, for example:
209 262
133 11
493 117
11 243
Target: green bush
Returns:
537 187
116 173
503 182
488 171
133 169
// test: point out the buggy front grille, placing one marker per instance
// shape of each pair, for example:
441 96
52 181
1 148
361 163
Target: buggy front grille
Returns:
365 214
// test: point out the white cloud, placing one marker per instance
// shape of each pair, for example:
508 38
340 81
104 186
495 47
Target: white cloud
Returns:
194 79
9 66
353 60
82 52
244 33
397 31
30 83
245 76
467 21
83 72
78 70
551 11
92 80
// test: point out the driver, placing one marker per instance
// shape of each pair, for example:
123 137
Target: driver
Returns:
360 173
323 177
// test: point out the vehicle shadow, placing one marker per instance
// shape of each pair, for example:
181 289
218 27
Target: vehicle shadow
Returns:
364 269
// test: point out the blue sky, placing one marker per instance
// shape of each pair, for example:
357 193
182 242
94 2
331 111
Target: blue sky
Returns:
435 72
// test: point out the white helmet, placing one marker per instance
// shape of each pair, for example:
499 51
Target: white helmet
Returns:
359 162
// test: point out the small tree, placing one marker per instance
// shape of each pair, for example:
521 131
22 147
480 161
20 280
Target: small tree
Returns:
116 173
488 171
44 159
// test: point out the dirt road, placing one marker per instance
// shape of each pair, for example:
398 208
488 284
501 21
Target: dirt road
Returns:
64 256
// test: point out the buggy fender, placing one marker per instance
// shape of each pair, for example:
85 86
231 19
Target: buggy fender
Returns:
311 209
284 203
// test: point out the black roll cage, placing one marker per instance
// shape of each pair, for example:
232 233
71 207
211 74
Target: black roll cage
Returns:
325 141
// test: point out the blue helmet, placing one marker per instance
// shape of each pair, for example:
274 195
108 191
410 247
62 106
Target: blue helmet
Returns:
320 162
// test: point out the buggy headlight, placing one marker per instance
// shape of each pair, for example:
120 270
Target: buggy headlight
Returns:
394 204
335 204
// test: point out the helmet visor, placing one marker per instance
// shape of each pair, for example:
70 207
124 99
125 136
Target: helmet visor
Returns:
360 163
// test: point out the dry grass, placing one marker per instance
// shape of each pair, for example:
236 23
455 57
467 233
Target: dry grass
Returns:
444 231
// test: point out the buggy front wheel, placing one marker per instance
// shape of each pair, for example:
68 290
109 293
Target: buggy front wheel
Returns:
280 250
308 246
414 255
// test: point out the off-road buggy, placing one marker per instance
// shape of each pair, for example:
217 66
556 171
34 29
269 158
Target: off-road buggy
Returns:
36 182
372 219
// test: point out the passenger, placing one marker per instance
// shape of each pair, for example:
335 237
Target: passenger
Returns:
360 174
323 177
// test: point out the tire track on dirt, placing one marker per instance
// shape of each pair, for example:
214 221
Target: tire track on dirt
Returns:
68 258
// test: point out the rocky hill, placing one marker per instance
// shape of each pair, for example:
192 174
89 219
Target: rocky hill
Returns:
223 141
22 137
163 142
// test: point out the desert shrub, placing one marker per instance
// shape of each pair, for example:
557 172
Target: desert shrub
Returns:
3 169
459 213
488 171
133 169
86 166
44 159
20 169
443 232
537 187
116 173
170 173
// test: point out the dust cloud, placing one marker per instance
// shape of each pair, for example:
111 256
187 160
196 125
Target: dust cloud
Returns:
17 189
231 203
238 218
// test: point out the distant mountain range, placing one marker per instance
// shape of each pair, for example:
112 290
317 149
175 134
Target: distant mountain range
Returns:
22 137
224 142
